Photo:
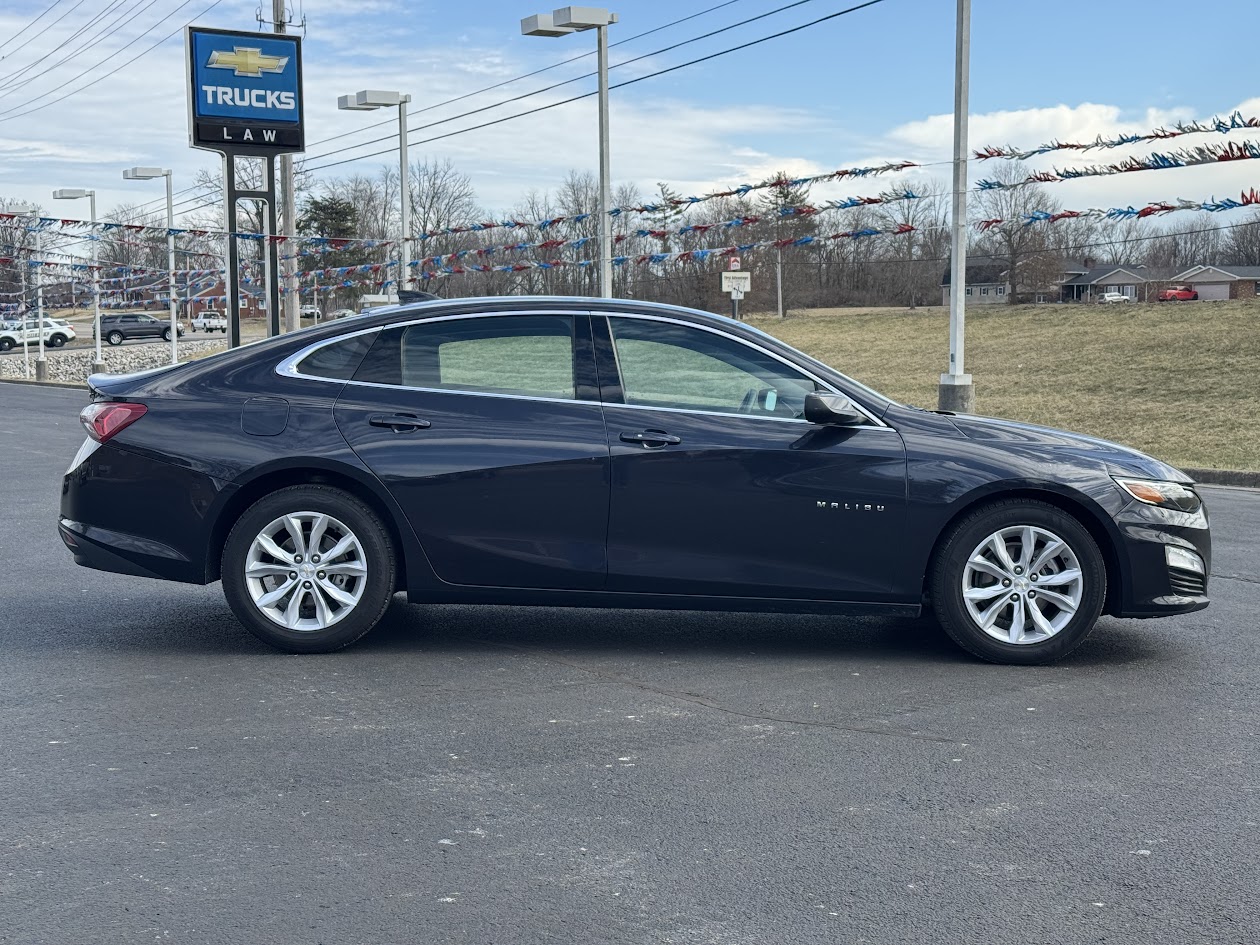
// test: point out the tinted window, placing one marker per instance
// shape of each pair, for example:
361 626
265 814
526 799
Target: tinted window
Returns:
666 365
338 360
505 354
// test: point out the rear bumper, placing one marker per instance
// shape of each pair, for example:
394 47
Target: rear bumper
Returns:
105 550
124 512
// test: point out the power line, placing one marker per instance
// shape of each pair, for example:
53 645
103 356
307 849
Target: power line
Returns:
651 75
527 75
427 108
54 5
140 55
484 108
19 78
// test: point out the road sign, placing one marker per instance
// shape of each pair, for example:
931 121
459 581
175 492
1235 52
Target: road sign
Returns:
245 91
736 294
733 263
740 282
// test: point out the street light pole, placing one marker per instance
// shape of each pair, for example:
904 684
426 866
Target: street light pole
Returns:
956 393
369 100
404 184
75 193
605 172
25 308
560 23
150 173
170 264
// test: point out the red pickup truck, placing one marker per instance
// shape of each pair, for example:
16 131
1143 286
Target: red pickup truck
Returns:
1178 293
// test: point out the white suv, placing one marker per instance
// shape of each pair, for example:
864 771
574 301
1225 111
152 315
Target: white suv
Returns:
55 331
1110 297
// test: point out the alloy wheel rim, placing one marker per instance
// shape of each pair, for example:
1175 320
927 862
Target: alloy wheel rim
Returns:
1022 585
306 571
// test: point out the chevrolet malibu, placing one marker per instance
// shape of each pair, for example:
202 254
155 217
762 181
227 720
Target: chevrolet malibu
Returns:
563 451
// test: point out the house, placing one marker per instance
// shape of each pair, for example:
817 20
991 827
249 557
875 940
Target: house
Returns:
1087 281
986 281
1214 283
210 298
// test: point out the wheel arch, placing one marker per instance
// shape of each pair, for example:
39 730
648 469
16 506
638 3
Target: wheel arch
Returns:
312 472
1076 504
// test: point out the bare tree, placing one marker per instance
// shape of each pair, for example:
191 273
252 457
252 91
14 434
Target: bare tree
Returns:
1013 242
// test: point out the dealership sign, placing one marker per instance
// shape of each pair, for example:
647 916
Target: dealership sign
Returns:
245 91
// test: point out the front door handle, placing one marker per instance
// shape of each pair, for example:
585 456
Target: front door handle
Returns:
651 438
398 422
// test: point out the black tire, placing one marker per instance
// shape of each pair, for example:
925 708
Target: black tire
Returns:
194 329
6 344
947 577
56 341
378 553
115 338
166 334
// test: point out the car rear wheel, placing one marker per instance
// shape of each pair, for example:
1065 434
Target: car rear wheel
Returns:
6 344
308 569
114 338
1018 581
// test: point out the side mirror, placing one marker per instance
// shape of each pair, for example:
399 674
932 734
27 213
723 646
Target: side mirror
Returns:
826 408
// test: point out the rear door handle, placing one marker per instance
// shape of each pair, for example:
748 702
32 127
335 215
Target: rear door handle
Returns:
398 422
651 438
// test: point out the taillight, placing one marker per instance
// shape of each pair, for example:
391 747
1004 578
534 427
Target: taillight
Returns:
104 420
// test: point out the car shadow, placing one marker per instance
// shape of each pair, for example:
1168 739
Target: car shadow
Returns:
205 627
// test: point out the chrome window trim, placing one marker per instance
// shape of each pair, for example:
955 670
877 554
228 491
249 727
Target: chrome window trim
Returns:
288 367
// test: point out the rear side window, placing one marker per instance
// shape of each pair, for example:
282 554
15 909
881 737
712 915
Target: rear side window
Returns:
338 360
529 355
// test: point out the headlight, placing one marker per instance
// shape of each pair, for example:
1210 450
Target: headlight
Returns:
1167 495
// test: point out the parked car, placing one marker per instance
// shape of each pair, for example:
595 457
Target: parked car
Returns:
119 328
209 320
309 311
610 453
1109 298
56 332
342 313
1178 293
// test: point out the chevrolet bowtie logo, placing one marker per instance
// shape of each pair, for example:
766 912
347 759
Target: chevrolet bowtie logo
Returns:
244 60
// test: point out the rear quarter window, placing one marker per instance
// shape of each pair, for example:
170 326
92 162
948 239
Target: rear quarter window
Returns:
339 359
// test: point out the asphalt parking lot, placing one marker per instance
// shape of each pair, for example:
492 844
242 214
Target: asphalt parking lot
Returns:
494 775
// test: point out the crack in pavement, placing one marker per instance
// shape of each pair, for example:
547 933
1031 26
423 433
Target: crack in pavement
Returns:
1236 577
697 699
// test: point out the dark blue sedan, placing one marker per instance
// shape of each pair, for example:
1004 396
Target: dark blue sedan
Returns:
613 454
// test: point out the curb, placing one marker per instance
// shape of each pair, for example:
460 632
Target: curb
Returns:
30 382
1225 477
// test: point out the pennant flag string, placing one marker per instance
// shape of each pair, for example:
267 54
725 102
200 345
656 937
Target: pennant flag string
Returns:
1234 122
1186 157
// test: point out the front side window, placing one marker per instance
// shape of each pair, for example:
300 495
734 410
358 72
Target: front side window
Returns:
667 365
525 355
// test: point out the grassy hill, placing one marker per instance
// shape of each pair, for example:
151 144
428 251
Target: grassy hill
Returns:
1179 381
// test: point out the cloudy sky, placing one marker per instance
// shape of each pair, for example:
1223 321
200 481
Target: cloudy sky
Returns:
872 85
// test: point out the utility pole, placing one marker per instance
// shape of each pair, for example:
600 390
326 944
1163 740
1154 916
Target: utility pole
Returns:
288 208
956 392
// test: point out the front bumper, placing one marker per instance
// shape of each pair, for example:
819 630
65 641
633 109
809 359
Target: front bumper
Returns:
1154 588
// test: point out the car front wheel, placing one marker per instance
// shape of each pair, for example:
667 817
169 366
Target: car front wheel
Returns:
1018 581
308 569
